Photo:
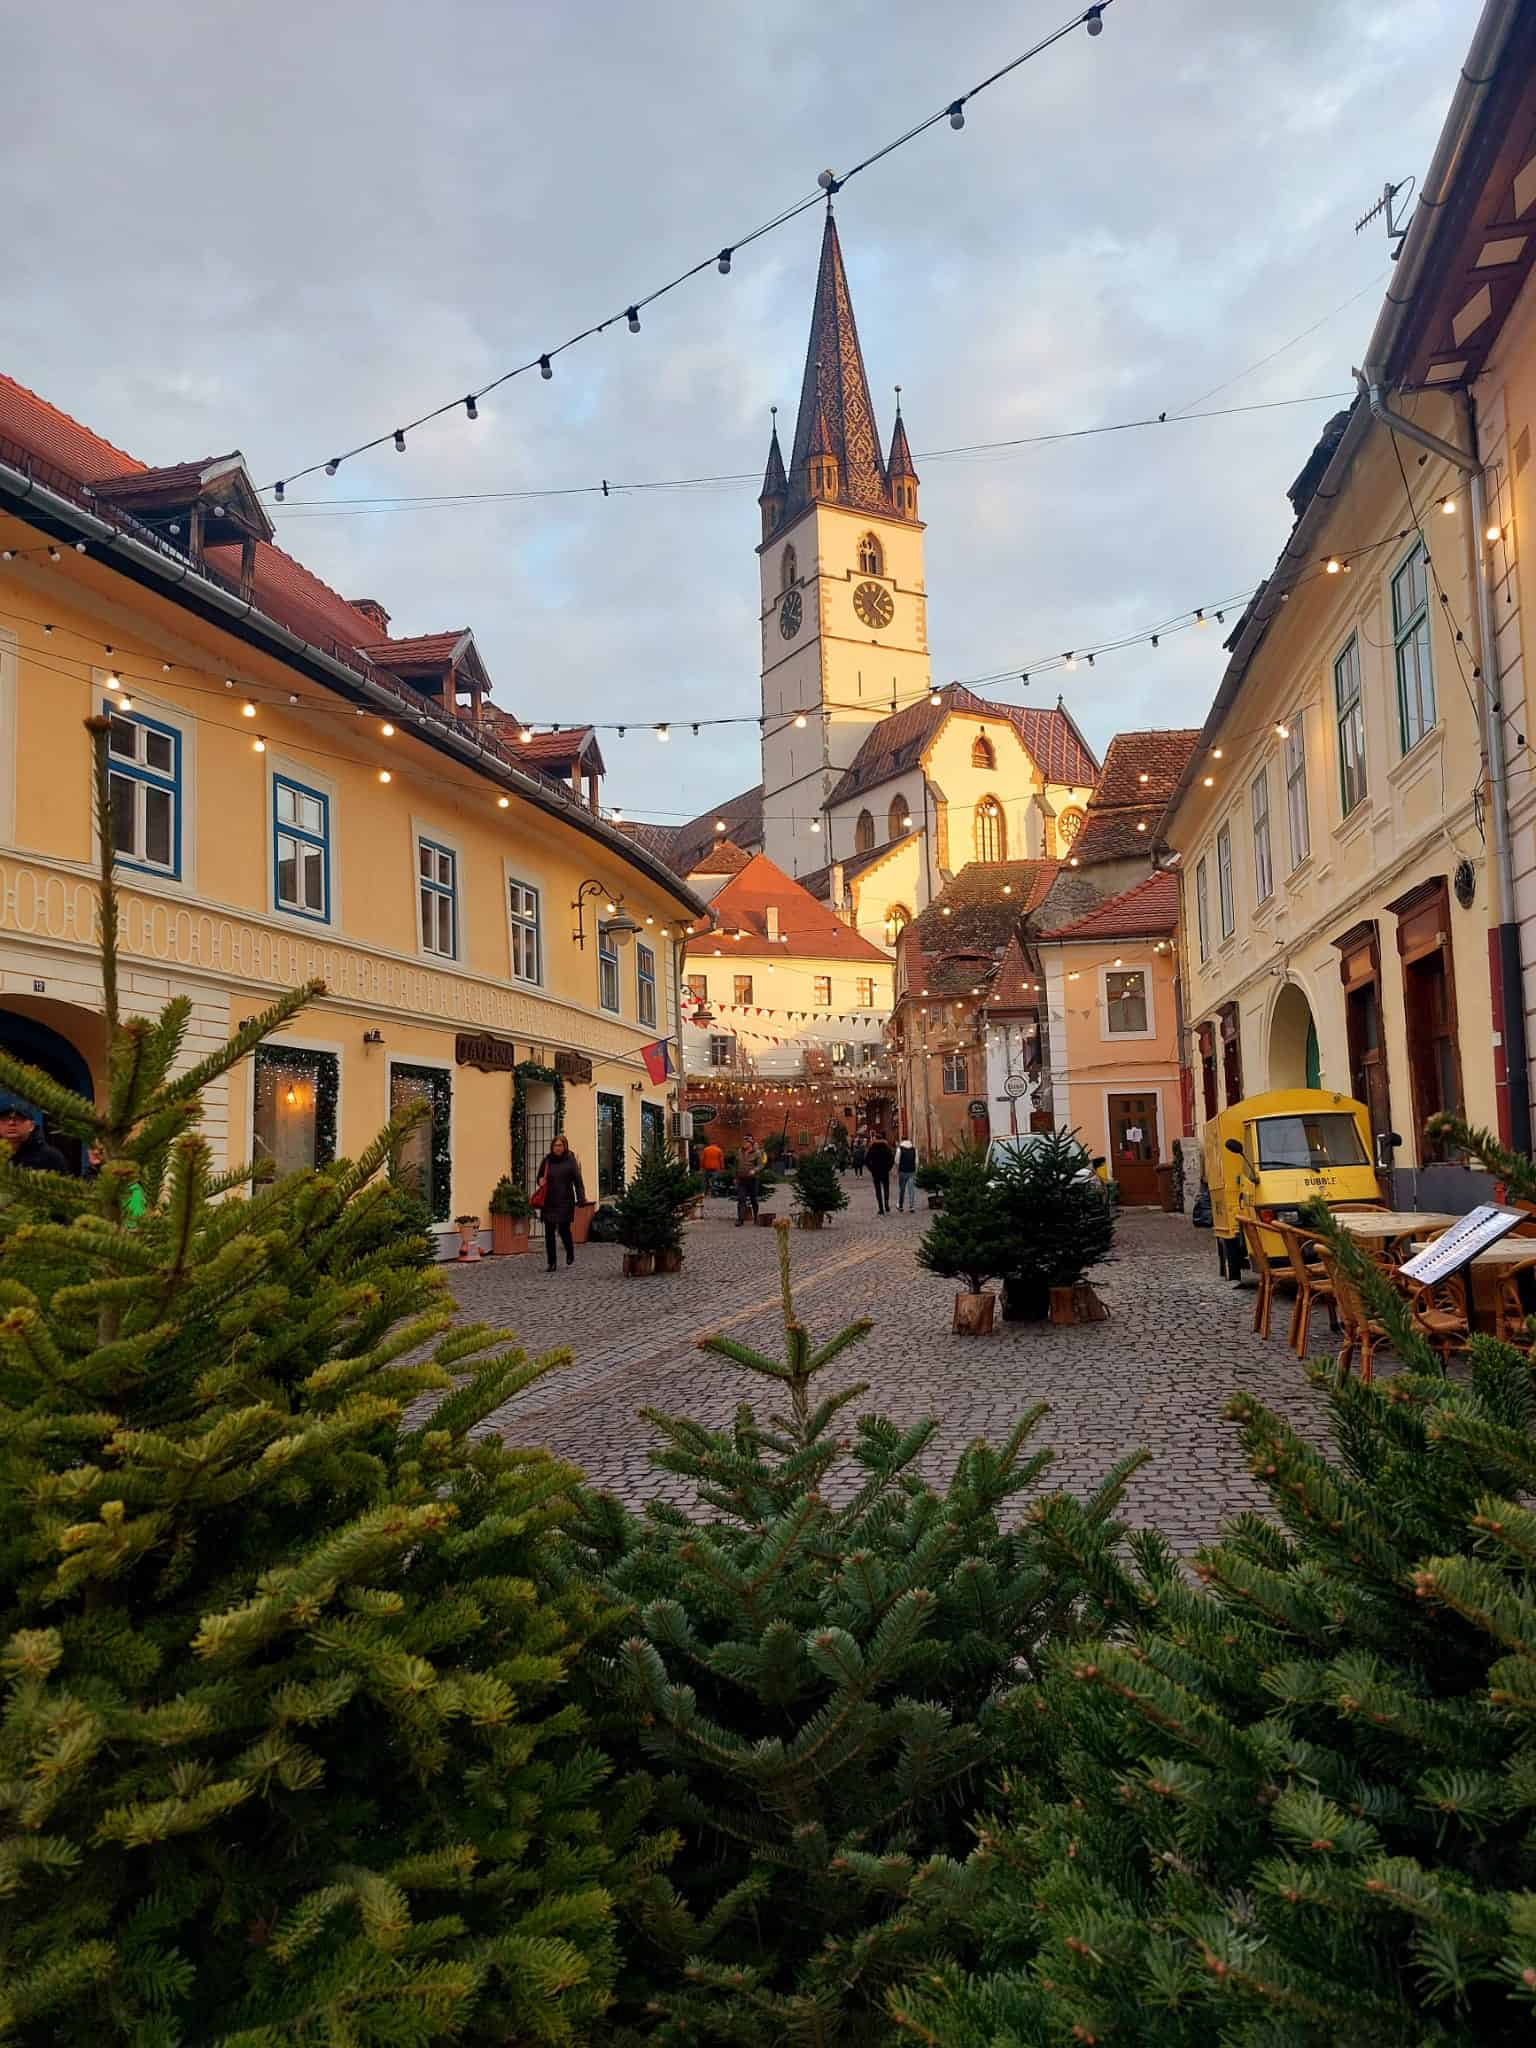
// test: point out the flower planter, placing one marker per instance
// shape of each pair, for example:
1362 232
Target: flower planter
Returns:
638 1264
581 1222
974 1313
468 1228
509 1235
669 1262
935 1201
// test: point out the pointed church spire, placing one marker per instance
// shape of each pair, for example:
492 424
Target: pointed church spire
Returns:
903 477
834 396
774 495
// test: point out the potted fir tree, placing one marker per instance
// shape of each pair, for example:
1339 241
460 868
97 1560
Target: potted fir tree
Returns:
818 1191
1060 1221
971 1240
510 1218
933 1178
650 1213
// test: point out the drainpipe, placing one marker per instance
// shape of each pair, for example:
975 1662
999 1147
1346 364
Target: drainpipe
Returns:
1504 936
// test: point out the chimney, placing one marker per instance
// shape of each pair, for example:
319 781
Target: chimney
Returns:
835 885
772 916
371 609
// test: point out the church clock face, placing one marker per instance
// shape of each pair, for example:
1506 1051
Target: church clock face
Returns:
791 611
874 604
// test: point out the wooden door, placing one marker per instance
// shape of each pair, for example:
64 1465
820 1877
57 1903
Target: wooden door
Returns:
1133 1148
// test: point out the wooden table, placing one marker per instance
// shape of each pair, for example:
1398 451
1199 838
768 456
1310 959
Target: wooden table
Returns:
1382 1224
1506 1252
1484 1278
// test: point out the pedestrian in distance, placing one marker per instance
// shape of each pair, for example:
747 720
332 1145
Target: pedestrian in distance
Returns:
906 1167
858 1156
21 1128
711 1165
748 1159
879 1158
555 1197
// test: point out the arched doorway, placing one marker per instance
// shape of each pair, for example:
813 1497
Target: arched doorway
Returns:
30 1039
1293 1053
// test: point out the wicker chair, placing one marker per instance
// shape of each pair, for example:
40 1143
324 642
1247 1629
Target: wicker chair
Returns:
1270 1276
1362 1331
1312 1284
1441 1313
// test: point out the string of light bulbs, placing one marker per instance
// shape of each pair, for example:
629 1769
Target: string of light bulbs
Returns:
608 487
828 183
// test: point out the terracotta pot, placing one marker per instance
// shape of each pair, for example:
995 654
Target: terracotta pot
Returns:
638 1264
974 1313
581 1222
509 1235
669 1262
469 1234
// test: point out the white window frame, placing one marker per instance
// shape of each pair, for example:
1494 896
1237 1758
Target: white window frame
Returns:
722 1049
1294 768
323 790
441 843
1149 1030
1226 891
608 980
1352 713
1417 633
961 1054
644 981
149 711
818 1000
524 929
1203 907
1263 842
864 989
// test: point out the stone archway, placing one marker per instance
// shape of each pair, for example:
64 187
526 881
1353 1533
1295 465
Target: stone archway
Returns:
29 1030
1293 1054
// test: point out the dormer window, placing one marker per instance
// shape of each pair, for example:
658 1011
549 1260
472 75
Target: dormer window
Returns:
195 506
983 753
871 557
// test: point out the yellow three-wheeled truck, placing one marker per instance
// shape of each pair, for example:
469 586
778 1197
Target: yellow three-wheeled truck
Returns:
1269 1156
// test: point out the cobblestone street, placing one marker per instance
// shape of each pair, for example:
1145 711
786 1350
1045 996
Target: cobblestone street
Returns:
1178 1341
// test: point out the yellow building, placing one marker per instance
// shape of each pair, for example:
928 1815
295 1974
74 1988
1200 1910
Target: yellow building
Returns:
299 796
1328 827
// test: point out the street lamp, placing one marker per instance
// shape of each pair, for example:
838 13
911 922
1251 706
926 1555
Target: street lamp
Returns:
619 925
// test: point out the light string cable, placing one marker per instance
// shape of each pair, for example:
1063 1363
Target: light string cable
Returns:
830 182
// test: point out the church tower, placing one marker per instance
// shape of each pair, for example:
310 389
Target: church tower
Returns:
843 606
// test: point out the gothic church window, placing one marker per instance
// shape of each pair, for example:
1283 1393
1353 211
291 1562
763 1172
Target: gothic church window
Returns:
871 557
898 819
864 834
991 833
897 918
983 753
1068 825
788 569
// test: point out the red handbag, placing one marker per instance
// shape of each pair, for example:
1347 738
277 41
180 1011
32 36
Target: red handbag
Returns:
540 1194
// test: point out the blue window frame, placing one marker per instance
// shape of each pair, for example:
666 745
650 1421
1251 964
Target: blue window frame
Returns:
301 849
1411 648
144 779
607 969
645 980
437 869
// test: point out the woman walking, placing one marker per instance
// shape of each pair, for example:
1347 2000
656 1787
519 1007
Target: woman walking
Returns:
560 1178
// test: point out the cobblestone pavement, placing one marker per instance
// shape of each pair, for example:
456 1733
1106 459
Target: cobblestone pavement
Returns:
1179 1340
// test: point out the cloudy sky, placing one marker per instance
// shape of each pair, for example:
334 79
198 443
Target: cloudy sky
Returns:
284 228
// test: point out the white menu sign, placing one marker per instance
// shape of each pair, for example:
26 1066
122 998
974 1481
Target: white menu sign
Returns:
1460 1245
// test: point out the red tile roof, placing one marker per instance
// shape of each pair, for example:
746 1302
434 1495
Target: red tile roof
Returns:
725 857
56 437
807 929
1143 767
897 743
422 650
1149 910
565 745
1014 988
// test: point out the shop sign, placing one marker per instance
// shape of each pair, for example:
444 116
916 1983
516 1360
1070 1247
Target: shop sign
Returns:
702 1119
573 1066
976 1108
478 1049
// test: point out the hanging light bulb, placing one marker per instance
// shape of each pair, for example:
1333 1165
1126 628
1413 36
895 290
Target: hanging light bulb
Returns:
906 823
724 262
525 734
471 410
114 681
546 368
333 465
292 1096
632 315
801 721
385 776
1093 20
618 814
503 803
719 824
387 729
956 115
663 732
399 440
54 555
1209 782
125 703
1493 532
1200 618
247 709
1216 753
277 491
1282 731
258 745
1447 504
1070 659
1332 565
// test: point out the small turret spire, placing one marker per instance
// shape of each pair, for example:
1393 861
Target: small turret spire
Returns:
775 492
903 476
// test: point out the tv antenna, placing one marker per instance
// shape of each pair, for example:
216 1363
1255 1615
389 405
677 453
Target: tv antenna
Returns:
1397 225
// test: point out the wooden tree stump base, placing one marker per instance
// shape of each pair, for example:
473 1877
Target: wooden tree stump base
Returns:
1079 1304
973 1314
638 1264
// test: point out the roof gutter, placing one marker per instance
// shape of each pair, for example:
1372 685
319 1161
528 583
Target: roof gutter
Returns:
181 577
1479 70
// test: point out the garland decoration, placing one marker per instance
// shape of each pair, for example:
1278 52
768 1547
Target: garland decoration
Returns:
524 1072
612 1183
433 1085
322 1070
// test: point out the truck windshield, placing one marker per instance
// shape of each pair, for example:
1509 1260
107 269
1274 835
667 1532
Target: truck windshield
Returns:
1299 1142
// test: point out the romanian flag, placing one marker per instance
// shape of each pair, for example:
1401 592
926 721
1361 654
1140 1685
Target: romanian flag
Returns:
658 1061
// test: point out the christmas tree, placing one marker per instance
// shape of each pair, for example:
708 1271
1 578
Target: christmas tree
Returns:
1059 1217
818 1191
970 1238
1295 1804
284 1756
812 1690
